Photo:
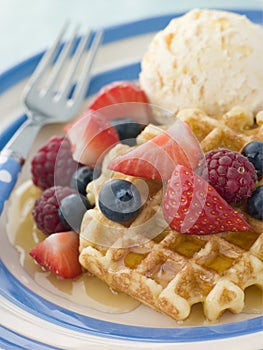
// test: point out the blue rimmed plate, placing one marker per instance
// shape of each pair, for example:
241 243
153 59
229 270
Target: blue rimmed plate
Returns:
32 317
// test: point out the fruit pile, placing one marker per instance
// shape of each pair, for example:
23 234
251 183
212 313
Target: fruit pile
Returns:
64 166
200 190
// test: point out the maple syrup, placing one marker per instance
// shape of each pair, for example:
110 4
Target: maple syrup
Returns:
87 290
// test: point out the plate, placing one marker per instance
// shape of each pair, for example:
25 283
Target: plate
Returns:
34 317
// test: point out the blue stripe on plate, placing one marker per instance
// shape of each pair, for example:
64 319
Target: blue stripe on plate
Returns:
27 300
24 69
10 340
148 25
111 34
129 72
6 134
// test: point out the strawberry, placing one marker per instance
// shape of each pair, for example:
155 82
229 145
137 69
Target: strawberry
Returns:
118 92
156 158
192 206
90 137
59 253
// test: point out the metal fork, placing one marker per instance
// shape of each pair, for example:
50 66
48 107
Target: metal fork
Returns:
49 105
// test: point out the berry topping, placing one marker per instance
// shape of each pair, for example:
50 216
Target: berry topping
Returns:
255 203
192 206
118 92
119 200
230 173
156 158
71 210
91 136
53 164
59 253
254 153
45 210
127 130
82 177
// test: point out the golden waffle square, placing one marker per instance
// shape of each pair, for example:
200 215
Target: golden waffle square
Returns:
164 269
232 130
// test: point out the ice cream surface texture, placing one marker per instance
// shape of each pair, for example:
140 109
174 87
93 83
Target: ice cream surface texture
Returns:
207 59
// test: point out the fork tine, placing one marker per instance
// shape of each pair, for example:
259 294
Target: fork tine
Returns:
82 84
60 64
46 59
68 81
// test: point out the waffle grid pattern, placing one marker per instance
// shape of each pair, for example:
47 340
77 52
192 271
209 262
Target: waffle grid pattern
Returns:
170 272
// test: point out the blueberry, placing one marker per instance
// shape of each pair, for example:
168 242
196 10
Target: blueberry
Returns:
82 177
119 200
71 211
254 152
127 129
255 203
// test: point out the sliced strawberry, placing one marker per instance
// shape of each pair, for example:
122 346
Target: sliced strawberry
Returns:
192 206
59 253
91 136
120 99
118 92
157 158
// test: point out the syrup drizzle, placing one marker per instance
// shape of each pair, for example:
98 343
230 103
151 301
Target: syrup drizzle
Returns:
87 290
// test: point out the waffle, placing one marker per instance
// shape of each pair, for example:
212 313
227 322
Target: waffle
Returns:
232 130
162 268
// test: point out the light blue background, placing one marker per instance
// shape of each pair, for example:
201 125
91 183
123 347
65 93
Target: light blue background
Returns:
28 26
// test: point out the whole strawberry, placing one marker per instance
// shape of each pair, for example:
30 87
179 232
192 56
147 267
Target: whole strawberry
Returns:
53 164
230 173
192 206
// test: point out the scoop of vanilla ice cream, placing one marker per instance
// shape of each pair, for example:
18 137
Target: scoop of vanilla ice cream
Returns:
207 59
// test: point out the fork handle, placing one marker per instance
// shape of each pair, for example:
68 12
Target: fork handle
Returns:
13 156
10 167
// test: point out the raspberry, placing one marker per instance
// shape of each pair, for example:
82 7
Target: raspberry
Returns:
230 173
45 210
53 164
